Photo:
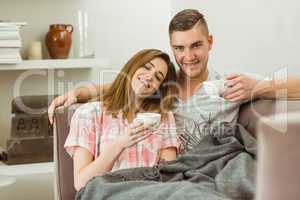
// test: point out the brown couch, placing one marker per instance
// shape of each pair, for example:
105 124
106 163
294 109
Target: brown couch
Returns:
249 115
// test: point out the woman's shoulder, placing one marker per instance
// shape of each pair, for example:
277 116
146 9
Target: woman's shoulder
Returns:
89 109
168 118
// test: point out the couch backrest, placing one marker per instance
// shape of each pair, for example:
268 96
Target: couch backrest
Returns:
63 162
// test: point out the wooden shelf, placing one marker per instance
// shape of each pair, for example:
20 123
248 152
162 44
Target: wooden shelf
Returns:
26 169
56 64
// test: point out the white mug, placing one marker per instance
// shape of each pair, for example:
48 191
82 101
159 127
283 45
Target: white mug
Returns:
215 87
152 119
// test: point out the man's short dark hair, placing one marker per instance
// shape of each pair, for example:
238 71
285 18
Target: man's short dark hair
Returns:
186 20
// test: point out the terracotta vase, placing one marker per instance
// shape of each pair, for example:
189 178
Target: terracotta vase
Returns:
59 40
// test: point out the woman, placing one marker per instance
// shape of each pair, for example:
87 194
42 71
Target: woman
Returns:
102 135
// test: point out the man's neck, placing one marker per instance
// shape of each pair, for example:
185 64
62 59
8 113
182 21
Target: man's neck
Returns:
190 85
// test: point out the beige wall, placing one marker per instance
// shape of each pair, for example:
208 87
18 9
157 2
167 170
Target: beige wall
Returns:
253 36
116 30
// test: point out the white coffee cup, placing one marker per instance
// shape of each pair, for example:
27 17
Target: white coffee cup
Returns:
149 118
215 87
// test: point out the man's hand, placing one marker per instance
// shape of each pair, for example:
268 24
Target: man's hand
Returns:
66 100
85 93
239 88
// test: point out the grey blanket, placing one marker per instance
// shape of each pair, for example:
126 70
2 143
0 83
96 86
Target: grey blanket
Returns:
221 166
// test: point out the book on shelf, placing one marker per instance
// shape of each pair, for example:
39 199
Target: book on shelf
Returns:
10 60
9 35
15 54
10 43
9 51
5 23
10 38
9 28
10 55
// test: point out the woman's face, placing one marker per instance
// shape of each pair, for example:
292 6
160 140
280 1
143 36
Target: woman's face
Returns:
148 78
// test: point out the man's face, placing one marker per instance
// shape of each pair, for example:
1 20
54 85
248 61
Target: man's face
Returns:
191 50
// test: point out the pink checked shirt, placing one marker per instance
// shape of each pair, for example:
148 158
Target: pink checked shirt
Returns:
91 128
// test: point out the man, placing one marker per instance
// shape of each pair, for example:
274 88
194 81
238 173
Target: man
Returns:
191 43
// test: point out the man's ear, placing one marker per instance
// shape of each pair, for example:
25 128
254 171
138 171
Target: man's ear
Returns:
210 40
170 42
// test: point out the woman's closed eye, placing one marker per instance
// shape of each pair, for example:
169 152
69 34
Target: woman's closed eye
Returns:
147 67
157 76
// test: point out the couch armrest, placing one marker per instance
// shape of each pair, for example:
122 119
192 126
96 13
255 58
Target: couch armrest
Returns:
278 157
251 112
64 181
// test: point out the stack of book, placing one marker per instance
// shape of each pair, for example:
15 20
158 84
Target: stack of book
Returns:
10 42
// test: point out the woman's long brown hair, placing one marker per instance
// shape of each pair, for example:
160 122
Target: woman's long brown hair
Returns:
118 97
